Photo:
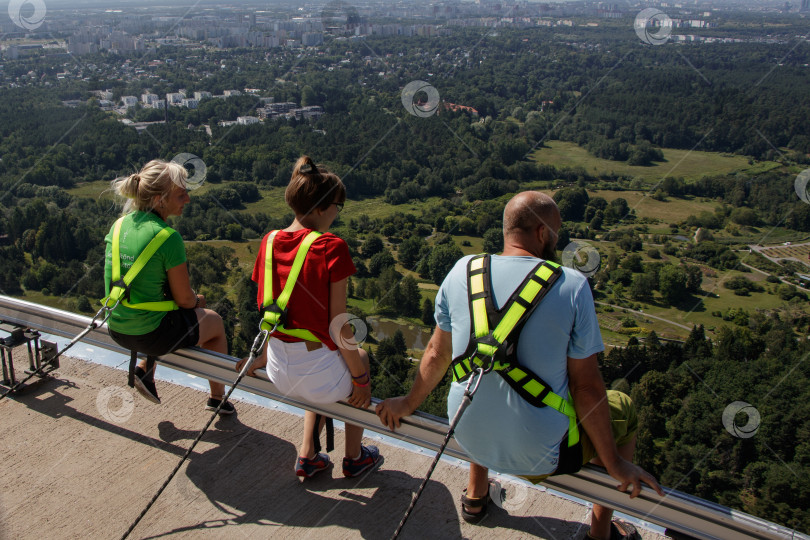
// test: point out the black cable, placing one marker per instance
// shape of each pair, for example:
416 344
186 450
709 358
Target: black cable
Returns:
258 343
465 402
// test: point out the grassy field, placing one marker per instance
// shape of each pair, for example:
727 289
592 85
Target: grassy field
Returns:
669 211
272 203
689 165
67 304
245 251
697 310
92 190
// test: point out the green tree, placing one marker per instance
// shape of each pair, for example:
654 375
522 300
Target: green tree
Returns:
493 241
596 223
372 245
745 216
642 287
379 262
427 312
441 260
410 297
672 283
308 96
571 202
409 251
83 305
233 232
694 278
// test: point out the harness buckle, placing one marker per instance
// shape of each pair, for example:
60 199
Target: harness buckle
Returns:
483 362
278 316
499 355
123 286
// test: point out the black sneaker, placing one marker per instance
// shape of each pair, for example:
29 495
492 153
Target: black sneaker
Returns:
146 385
227 407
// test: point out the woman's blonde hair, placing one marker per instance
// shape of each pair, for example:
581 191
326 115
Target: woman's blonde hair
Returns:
155 178
313 186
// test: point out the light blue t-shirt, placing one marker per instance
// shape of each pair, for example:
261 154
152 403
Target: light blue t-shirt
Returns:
500 430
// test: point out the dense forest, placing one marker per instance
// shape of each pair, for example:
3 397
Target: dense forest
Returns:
618 100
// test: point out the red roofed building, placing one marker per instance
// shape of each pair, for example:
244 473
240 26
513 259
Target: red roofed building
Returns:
459 108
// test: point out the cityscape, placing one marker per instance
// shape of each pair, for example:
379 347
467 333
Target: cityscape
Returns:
133 28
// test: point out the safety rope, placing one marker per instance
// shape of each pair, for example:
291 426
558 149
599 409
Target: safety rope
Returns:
258 344
465 402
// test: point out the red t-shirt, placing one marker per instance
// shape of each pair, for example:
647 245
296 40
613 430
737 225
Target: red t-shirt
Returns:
327 261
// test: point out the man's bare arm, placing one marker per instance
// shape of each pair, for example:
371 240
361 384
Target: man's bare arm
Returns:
590 401
434 364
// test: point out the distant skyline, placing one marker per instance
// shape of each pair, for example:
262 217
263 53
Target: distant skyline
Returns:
258 4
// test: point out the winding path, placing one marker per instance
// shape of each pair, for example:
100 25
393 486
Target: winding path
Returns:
645 315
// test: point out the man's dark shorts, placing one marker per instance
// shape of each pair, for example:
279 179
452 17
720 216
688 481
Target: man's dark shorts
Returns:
178 329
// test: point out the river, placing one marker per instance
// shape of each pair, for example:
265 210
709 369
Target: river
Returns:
416 337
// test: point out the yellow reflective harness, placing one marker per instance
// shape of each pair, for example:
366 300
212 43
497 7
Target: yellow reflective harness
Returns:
274 310
499 346
274 315
120 287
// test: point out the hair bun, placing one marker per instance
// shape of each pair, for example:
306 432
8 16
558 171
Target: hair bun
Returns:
307 168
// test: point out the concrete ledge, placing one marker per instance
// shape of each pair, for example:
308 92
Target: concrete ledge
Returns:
82 454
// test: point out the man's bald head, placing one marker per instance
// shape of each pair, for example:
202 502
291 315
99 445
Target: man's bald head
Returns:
526 211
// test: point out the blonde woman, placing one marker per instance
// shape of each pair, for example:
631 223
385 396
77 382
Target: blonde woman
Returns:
160 312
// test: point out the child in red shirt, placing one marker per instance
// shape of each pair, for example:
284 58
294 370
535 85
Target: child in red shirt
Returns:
332 368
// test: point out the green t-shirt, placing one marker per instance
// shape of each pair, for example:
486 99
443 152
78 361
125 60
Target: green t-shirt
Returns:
152 283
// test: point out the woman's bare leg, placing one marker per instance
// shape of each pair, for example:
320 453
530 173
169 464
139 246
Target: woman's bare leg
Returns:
212 337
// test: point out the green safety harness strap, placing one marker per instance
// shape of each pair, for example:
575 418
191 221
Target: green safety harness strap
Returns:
120 288
495 346
275 309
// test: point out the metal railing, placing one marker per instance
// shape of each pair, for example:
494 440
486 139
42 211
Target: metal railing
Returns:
677 511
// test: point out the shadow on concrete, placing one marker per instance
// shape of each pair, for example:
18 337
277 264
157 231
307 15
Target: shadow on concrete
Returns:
45 398
249 475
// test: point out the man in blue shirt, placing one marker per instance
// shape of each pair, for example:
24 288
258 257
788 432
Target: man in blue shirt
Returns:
559 342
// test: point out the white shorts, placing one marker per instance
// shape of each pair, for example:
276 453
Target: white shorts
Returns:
319 376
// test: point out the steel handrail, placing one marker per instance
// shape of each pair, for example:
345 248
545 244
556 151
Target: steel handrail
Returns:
678 511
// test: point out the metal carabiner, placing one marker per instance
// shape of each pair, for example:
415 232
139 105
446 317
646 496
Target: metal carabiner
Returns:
260 340
105 308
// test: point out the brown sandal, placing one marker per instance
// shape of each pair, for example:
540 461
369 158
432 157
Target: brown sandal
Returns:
474 502
620 530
